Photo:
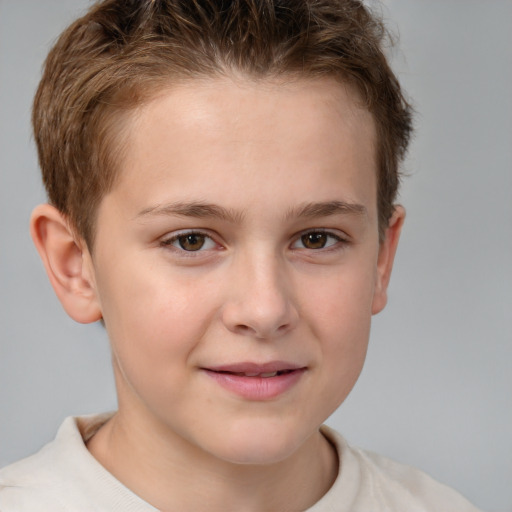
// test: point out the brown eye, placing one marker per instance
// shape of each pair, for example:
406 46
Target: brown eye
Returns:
191 241
314 240
318 240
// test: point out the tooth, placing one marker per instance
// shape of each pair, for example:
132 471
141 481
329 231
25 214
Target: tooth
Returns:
251 374
270 374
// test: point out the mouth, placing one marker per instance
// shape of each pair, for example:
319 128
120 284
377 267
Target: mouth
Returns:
257 382
263 375
264 370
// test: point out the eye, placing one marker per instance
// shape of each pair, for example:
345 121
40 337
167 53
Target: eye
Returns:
191 242
316 240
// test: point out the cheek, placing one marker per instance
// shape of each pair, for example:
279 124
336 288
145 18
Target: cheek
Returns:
153 319
340 318
340 302
154 327
345 332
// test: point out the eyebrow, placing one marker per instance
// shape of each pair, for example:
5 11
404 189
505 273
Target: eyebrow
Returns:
326 209
197 210
201 210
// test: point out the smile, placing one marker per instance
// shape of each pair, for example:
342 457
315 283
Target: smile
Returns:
264 375
257 382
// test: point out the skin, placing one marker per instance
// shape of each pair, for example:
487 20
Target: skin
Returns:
250 168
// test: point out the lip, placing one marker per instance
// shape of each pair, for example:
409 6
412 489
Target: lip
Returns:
236 378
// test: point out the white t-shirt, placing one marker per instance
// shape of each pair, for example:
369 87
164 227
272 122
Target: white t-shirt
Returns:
65 477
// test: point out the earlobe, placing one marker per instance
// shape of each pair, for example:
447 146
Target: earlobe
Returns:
64 259
386 258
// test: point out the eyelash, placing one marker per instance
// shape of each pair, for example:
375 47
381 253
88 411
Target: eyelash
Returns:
338 243
168 242
338 240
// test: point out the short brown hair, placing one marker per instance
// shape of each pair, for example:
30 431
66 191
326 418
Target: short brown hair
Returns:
111 60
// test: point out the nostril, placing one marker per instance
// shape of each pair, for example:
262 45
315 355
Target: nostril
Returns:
283 328
243 329
247 330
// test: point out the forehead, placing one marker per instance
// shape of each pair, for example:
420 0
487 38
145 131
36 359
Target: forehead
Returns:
202 137
205 103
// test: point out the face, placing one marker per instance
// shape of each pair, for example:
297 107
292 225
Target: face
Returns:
236 263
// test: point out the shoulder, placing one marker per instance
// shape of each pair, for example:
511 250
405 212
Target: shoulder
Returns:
367 481
404 486
64 477
30 484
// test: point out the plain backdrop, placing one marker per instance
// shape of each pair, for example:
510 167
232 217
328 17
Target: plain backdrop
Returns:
436 391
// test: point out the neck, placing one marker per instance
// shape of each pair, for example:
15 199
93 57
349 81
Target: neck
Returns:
172 474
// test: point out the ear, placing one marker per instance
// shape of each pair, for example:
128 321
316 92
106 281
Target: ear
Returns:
385 259
67 262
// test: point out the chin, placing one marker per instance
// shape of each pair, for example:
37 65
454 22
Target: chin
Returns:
258 445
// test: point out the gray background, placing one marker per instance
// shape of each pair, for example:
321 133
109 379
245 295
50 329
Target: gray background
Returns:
437 388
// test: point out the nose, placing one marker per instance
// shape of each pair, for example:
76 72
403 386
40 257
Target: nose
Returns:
261 303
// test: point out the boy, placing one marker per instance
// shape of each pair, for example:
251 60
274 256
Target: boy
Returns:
222 178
